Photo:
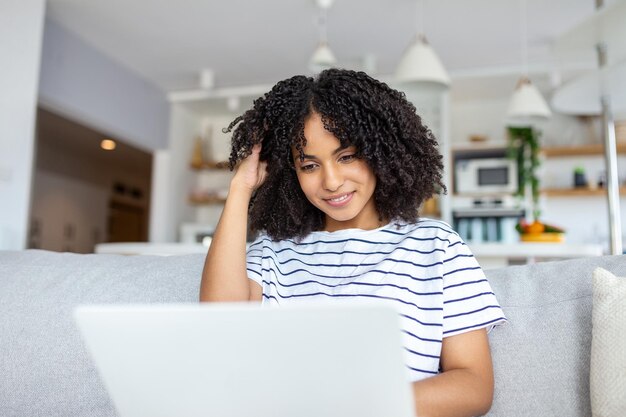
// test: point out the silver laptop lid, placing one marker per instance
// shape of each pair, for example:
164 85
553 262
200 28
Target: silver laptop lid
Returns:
244 360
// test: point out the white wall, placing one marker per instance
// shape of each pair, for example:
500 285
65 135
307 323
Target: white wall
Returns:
481 117
487 117
80 82
21 28
585 219
159 201
184 127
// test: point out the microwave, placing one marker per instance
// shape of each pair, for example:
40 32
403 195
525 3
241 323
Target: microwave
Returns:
486 175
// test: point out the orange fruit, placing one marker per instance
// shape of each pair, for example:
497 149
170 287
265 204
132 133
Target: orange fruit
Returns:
536 227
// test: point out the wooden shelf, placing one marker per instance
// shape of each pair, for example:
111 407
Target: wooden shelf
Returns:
488 145
200 201
581 150
210 165
483 194
578 192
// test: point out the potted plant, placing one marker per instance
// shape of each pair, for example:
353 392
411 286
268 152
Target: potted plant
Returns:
524 148
580 179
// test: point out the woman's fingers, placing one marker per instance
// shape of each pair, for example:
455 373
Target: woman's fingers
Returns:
253 159
251 173
262 172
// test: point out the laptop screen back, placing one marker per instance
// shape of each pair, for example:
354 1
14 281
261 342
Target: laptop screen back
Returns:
236 360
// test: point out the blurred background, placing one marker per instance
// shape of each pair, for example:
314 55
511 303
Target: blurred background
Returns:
111 113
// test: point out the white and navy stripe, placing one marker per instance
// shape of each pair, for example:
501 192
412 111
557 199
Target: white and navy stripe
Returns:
424 270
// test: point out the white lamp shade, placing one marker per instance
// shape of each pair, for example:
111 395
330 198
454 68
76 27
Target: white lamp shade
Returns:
527 102
322 57
420 63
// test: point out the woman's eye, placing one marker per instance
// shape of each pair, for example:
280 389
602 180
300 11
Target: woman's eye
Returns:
347 158
307 168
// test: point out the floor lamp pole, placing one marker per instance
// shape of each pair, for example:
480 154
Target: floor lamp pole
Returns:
610 156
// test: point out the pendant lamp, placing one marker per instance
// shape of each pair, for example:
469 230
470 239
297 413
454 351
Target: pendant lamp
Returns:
322 57
527 103
420 63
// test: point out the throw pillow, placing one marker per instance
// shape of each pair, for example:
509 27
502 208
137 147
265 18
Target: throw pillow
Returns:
608 345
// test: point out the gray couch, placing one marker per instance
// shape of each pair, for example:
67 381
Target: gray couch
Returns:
541 356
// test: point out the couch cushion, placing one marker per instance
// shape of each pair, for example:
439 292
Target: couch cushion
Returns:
541 356
608 345
45 370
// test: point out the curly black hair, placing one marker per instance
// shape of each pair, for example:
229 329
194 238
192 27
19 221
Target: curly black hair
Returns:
359 111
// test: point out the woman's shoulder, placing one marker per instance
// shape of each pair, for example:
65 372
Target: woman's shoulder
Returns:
263 240
423 227
258 242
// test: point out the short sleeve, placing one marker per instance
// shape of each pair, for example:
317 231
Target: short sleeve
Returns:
469 301
254 257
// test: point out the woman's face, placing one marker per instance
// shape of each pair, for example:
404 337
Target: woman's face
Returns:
335 181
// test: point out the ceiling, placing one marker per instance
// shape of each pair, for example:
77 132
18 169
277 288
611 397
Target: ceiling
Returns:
79 141
250 42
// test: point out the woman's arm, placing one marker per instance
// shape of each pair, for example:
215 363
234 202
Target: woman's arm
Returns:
465 387
224 277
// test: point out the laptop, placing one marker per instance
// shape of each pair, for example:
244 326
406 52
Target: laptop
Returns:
244 360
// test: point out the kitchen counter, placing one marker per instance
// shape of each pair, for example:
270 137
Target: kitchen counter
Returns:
496 255
148 248
489 255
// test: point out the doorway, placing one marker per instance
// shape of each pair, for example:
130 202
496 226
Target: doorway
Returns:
83 194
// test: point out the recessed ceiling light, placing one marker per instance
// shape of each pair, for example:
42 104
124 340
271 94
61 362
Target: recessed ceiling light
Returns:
108 144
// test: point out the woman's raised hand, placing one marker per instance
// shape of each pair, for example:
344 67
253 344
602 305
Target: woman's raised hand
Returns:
225 277
251 172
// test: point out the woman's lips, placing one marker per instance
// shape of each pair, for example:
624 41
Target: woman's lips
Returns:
340 200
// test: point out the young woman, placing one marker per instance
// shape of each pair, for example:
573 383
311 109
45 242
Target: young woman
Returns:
332 171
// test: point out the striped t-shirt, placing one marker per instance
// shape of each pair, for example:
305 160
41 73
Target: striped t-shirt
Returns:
424 270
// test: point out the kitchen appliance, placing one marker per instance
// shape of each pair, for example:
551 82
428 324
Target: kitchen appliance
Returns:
488 220
485 176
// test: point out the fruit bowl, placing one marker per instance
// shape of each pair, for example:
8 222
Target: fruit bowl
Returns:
543 237
538 231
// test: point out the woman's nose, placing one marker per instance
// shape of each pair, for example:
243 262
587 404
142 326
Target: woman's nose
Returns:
333 178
